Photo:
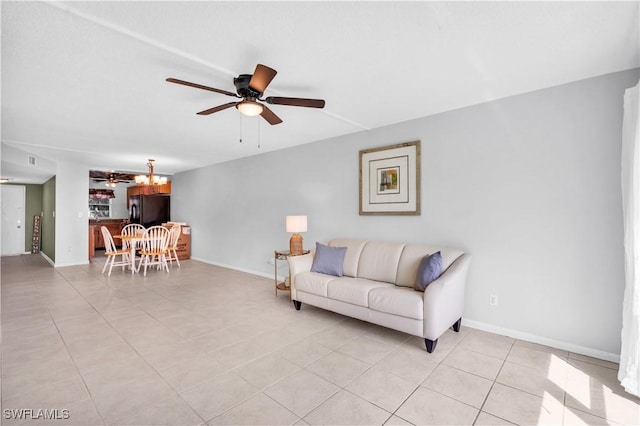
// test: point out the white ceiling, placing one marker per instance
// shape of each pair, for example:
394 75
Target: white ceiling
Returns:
85 81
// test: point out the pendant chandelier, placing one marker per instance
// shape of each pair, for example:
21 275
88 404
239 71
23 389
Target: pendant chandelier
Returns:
151 179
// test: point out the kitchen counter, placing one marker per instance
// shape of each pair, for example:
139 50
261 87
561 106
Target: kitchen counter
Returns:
106 221
95 233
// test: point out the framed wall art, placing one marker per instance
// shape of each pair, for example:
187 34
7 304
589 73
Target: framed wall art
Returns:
390 180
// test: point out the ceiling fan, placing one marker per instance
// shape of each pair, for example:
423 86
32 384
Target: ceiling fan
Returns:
111 178
250 88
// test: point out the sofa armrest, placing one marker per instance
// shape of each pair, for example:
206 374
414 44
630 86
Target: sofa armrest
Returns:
299 264
444 298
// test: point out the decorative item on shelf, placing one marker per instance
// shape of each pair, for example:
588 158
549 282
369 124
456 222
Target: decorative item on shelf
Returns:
151 179
99 194
296 224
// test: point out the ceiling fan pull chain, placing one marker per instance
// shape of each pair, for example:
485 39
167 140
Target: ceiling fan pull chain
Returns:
258 133
240 121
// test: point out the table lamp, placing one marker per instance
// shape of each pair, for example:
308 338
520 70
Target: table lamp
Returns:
296 224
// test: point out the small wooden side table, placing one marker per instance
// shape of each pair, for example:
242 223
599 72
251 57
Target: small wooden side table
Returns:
282 255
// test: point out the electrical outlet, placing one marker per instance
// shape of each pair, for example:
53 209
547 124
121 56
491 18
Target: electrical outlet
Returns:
493 300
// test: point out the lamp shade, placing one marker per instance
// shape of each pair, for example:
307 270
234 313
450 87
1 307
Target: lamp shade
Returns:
296 224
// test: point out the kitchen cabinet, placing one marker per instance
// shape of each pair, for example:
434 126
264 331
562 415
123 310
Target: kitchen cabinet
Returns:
114 226
148 190
92 242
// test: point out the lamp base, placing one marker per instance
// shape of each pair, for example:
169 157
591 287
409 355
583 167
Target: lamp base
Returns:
295 244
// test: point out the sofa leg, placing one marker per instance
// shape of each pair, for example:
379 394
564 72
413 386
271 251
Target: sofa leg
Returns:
456 326
297 304
431 344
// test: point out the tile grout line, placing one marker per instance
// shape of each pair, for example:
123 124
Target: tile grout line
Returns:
75 366
165 292
421 383
493 384
133 348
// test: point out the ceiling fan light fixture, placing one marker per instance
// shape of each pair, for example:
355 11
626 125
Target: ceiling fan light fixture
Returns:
250 108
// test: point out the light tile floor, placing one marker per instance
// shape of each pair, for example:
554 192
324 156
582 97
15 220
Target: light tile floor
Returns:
208 345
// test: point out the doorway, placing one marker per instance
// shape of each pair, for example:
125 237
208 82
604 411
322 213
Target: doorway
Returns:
12 226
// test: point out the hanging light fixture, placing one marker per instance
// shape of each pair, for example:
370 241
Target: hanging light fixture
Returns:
151 179
111 183
249 108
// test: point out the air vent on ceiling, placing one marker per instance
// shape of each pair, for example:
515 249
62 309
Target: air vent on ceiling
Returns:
32 160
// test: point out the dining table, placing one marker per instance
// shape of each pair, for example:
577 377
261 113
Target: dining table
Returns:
134 242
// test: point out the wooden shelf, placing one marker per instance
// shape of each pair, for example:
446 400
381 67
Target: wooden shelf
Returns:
281 286
279 255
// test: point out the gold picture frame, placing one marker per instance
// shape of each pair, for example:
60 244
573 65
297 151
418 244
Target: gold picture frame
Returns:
390 180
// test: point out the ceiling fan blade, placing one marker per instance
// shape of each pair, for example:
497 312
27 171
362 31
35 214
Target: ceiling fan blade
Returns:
262 76
200 86
302 102
270 116
218 108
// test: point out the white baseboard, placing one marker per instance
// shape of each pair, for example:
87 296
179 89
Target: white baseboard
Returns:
48 259
582 350
235 268
60 265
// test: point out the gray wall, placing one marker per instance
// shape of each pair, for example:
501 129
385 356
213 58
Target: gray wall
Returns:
530 185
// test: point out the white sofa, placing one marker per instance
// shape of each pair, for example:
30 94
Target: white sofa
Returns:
378 286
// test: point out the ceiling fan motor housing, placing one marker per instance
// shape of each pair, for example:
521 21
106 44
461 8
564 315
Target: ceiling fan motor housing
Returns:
242 86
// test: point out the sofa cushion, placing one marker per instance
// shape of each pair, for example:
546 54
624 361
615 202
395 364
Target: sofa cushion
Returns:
397 301
379 261
413 254
429 270
351 258
353 290
328 260
314 283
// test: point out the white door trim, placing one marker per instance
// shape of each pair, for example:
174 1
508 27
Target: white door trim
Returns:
12 219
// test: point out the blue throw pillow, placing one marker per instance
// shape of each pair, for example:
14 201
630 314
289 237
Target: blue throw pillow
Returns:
429 270
328 260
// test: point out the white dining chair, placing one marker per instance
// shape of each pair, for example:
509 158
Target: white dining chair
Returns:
112 252
174 236
132 229
155 248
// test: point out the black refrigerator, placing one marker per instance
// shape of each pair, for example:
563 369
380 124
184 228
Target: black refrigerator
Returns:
149 210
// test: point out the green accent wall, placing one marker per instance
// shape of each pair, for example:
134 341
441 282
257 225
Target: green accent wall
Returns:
48 238
33 207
